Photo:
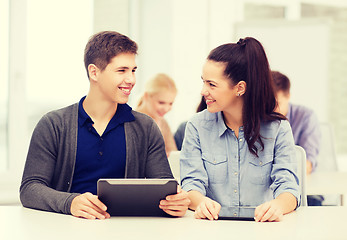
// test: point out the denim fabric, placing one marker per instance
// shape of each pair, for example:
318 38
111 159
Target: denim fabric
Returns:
219 165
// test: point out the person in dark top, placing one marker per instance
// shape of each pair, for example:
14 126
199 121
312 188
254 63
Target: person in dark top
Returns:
99 137
179 134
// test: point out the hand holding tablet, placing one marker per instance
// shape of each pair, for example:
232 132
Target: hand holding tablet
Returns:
142 197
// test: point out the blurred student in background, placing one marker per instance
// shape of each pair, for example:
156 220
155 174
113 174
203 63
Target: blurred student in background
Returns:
179 134
157 100
239 152
304 123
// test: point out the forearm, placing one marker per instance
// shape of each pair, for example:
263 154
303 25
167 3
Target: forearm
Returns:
39 196
195 198
287 202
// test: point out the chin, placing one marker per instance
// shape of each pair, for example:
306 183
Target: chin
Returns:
212 110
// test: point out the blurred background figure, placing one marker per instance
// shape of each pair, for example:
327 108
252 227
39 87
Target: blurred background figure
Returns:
304 123
160 93
179 134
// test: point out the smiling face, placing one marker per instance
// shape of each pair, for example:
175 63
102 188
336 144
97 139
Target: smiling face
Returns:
116 81
217 90
160 103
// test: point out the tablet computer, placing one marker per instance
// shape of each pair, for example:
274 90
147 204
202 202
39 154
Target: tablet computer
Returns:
135 197
241 213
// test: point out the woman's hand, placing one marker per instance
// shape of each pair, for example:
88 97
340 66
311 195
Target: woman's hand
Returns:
270 211
273 211
207 209
177 204
88 206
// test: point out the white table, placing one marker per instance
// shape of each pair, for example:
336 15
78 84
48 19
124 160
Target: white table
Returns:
17 222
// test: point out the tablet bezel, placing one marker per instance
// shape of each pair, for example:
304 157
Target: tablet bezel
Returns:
135 197
239 213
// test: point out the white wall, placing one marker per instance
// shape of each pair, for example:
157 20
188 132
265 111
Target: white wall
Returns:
300 50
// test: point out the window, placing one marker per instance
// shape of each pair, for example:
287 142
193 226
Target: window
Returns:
4 27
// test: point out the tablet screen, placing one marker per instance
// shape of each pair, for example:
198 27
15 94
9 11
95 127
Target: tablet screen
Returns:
237 213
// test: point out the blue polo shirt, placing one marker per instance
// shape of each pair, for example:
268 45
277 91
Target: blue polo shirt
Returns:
100 156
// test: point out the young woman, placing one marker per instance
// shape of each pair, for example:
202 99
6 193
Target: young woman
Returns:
239 152
160 93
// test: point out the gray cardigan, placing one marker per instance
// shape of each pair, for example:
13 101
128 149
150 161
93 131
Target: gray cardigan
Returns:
50 162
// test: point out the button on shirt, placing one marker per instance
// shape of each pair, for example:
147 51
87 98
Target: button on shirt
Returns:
219 165
100 156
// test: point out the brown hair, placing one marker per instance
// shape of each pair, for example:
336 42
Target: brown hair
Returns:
104 46
281 82
246 61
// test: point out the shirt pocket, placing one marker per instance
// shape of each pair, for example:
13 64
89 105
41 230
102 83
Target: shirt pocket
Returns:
216 167
260 169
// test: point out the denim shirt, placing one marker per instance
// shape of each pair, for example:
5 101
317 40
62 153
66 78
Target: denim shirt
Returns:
216 163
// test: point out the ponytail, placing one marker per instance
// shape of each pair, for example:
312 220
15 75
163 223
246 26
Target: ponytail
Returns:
246 61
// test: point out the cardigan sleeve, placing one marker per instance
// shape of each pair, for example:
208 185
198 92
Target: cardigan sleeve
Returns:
146 156
36 190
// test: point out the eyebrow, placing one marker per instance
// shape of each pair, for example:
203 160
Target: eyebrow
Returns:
209 81
124 67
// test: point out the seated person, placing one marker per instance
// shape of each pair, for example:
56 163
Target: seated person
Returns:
304 123
239 152
179 134
99 137
157 100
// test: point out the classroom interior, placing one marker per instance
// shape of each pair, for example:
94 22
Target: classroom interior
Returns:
41 61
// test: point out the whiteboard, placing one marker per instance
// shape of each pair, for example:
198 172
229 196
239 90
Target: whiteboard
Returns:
300 50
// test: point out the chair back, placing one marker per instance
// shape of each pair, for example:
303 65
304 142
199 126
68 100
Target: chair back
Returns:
301 164
327 160
174 161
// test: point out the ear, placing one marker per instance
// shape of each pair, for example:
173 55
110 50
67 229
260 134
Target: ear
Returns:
93 72
241 88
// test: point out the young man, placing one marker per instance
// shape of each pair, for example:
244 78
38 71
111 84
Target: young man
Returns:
99 137
304 124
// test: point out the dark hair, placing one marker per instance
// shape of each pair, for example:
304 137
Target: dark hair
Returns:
202 105
246 61
281 82
103 46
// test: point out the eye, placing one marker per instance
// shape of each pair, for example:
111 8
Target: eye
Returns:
121 70
134 70
212 85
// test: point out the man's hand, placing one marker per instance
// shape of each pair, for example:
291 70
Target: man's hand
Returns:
177 204
308 167
88 206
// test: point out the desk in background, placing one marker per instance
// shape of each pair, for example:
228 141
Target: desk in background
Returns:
325 183
17 222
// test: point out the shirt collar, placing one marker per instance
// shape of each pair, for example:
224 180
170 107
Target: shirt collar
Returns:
222 127
221 124
123 114
83 117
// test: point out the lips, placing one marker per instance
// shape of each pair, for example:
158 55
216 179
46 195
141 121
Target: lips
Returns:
125 90
209 102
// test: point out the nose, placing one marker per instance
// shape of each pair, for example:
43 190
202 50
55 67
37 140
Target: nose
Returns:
204 91
130 79
167 108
